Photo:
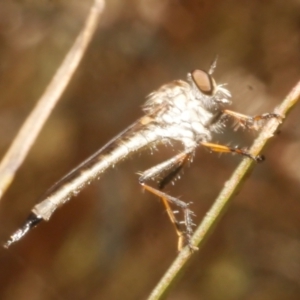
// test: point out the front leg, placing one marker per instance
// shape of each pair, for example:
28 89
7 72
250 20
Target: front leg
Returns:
252 122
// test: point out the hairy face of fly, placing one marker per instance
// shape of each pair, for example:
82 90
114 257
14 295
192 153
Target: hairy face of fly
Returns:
205 89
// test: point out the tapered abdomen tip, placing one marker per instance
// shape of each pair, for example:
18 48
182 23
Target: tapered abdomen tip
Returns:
30 223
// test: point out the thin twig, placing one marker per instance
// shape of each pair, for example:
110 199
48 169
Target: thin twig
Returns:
224 198
35 121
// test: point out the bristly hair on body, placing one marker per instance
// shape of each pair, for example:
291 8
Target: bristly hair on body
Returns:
188 112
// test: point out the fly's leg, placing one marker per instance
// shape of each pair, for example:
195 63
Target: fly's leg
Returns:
183 229
171 168
226 149
249 121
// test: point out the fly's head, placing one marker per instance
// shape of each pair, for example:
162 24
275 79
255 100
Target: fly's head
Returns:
205 89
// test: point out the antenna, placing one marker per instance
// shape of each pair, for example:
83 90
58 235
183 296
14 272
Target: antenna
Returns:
213 65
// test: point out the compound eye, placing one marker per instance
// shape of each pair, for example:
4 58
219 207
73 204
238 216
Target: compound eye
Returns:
204 82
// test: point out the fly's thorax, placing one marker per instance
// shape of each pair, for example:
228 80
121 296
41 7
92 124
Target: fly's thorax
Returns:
188 111
162 99
178 115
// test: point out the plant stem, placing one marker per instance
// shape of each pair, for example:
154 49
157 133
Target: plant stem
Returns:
223 200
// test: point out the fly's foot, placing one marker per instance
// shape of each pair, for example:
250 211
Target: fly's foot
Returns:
254 122
185 236
185 239
257 122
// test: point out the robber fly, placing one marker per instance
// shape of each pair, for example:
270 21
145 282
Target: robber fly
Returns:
186 111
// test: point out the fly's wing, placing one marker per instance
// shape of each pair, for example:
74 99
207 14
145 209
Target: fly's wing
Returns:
135 127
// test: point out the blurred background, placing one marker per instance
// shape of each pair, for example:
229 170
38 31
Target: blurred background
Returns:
115 241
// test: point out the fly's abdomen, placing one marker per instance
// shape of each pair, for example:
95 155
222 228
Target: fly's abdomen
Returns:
91 169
